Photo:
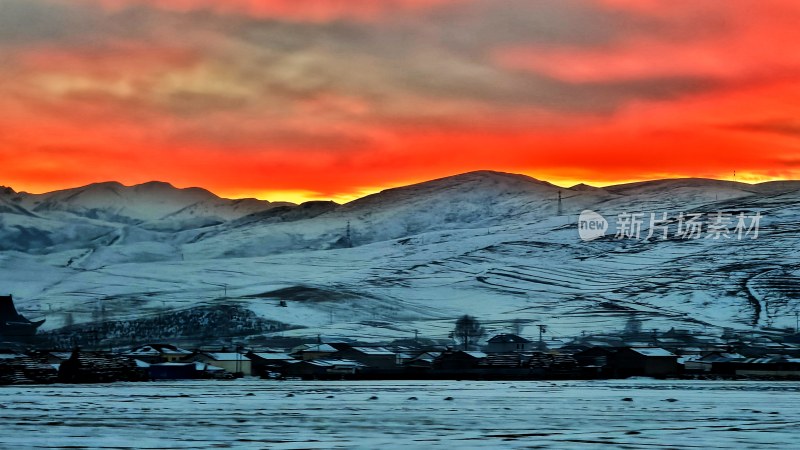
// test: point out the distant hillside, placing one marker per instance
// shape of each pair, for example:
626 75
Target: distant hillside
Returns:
495 245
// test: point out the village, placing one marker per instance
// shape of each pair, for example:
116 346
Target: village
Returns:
464 356
674 354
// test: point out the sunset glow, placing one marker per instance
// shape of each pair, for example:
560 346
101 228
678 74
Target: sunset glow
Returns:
324 99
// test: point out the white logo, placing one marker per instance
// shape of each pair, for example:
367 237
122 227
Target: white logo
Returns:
722 225
591 225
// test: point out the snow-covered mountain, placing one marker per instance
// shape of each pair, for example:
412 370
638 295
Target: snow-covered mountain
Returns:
151 202
103 213
498 246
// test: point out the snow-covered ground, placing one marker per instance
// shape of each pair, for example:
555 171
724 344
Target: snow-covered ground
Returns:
290 415
484 243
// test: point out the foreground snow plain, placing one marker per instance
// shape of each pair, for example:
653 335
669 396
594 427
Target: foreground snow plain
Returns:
634 413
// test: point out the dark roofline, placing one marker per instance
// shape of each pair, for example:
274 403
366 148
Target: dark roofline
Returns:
510 338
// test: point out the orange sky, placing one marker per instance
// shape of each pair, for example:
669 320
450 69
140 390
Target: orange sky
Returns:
302 99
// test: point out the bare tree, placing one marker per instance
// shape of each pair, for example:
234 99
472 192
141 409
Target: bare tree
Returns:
468 330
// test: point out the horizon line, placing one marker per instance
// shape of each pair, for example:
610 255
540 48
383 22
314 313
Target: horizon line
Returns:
303 196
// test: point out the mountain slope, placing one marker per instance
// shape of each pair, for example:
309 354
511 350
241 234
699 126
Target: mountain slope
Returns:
484 243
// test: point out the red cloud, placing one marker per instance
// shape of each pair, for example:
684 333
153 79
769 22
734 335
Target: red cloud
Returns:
134 111
741 40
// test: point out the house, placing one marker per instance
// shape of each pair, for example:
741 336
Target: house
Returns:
595 361
706 362
265 362
322 368
759 347
158 353
773 366
422 361
508 343
373 357
458 360
205 370
643 361
594 356
233 362
313 351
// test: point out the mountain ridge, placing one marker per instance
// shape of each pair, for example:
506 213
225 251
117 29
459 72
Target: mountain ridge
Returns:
698 181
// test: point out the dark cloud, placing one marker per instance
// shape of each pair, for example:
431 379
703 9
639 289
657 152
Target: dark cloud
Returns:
31 21
446 55
784 127
434 68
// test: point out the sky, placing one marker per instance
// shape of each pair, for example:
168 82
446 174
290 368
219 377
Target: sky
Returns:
316 99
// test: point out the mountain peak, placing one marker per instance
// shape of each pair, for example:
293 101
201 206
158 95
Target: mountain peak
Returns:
158 187
494 175
154 185
583 187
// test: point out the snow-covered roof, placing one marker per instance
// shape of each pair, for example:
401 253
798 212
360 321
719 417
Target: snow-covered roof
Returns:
227 356
764 360
155 350
144 351
10 356
315 348
374 351
686 350
334 363
427 356
274 356
718 357
652 351
508 339
177 351
140 363
477 354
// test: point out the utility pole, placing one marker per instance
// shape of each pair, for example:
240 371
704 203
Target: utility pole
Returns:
416 336
542 330
347 237
560 210
238 359
797 322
